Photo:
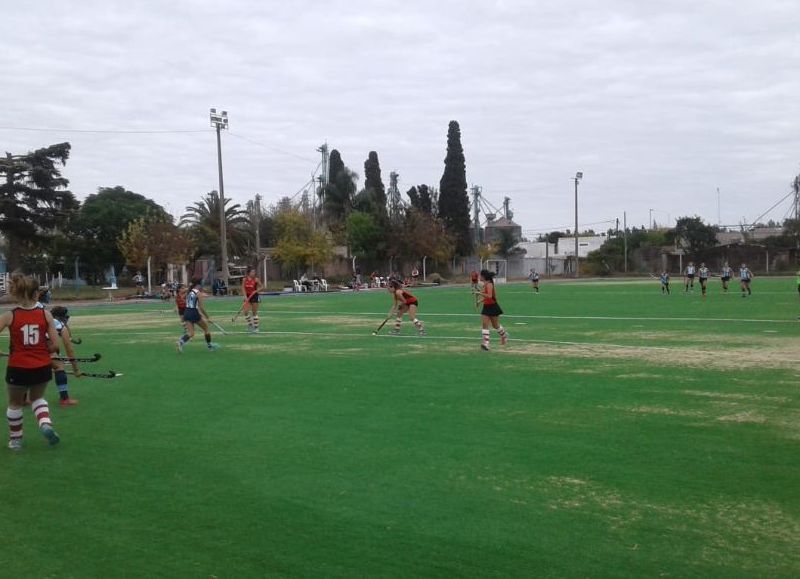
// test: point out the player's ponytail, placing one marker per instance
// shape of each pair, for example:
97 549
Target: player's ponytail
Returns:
24 287
487 275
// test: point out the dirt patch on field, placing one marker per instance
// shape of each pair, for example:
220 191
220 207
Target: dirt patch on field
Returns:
749 416
122 322
785 355
662 410
734 396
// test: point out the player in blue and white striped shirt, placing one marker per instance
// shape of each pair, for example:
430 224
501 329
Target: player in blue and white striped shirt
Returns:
745 277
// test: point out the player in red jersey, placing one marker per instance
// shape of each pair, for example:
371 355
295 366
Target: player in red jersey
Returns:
29 364
491 312
250 286
180 303
403 302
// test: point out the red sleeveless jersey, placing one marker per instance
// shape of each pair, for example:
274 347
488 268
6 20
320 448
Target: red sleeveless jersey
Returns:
250 285
180 300
28 339
491 298
410 300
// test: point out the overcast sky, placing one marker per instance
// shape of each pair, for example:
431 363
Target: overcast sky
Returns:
658 103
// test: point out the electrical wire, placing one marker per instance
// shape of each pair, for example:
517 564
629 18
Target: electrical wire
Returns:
784 198
106 131
271 147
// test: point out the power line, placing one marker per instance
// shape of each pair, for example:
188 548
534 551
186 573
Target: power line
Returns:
272 148
784 198
104 131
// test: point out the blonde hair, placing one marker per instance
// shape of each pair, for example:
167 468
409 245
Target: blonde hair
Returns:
24 287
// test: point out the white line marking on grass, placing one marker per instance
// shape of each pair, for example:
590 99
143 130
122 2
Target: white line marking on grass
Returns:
534 317
367 334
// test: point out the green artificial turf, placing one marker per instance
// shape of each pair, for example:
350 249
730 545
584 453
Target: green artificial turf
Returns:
620 433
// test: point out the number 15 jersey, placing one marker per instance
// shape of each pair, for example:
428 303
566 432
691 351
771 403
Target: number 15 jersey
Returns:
28 339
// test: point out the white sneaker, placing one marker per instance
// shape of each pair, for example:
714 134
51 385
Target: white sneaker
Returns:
15 444
179 346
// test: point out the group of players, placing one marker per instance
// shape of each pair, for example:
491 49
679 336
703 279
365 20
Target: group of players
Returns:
702 274
189 302
36 337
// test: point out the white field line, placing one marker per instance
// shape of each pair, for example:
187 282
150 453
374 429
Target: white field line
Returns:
325 313
368 334
533 317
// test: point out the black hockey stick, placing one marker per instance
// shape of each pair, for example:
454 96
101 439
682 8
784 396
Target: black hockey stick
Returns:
94 358
106 375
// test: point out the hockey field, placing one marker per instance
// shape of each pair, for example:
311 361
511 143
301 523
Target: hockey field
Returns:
620 433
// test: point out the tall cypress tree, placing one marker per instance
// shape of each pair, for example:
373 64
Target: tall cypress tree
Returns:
376 192
337 197
453 199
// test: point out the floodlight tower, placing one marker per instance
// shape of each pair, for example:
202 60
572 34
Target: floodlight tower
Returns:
578 177
220 121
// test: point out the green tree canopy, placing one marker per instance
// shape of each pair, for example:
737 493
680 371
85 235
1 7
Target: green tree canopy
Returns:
694 235
34 202
453 199
104 216
337 196
203 220
374 188
364 235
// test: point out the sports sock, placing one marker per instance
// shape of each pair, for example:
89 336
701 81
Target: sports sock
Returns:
61 383
255 323
418 324
247 318
208 339
14 416
185 338
485 337
397 323
42 411
501 331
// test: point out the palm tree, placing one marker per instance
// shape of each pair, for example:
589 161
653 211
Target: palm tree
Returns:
202 220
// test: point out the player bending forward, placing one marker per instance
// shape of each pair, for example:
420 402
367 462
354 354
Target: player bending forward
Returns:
195 313
29 365
403 302
491 312
61 317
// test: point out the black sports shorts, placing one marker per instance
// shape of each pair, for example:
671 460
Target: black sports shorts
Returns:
27 377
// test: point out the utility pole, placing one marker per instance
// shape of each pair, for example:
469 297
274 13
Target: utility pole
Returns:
625 237
219 122
257 211
578 177
651 219
476 196
507 213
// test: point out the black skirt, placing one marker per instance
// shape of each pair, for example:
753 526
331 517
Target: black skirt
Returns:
491 310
